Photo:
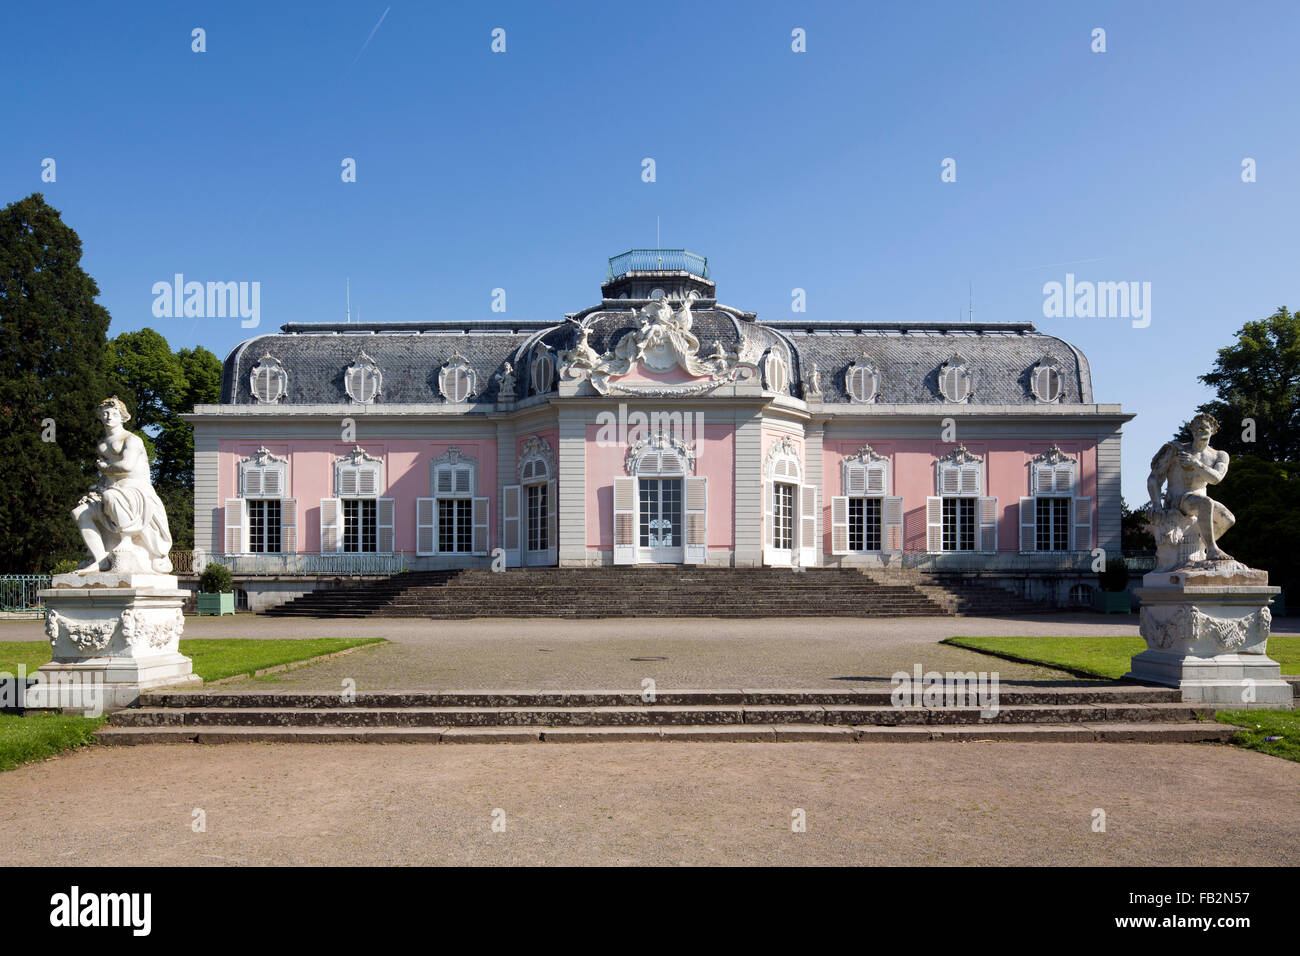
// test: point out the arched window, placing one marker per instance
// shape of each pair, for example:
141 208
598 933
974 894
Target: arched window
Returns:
269 382
362 380
457 381
862 382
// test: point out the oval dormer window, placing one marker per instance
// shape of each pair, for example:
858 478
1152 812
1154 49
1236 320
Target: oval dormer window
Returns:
955 380
776 372
362 380
543 371
269 382
861 382
1045 381
456 380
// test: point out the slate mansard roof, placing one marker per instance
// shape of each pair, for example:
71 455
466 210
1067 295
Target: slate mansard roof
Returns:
908 356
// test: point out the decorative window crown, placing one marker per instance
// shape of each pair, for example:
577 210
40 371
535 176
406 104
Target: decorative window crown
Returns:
959 473
782 460
269 382
457 381
263 475
1045 380
955 380
866 472
358 475
536 460
1053 473
862 381
660 454
453 475
362 380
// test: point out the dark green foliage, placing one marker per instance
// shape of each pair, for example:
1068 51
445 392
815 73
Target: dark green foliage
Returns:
52 338
66 566
216 579
1264 497
1134 533
1115 577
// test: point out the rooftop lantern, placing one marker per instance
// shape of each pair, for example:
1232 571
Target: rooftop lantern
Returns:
672 274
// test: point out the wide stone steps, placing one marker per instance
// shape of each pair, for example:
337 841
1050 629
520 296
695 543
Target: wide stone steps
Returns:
1047 713
665 591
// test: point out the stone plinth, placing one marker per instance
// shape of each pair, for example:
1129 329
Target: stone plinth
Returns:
1206 630
114 636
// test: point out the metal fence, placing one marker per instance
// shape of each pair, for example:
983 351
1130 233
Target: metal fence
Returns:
18 592
325 565
658 260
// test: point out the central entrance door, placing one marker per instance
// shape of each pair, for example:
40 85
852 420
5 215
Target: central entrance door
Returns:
660 527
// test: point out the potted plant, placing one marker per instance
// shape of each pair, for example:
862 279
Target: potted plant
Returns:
216 590
1114 594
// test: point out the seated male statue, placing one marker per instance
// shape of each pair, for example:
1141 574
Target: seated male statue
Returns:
123 520
1187 468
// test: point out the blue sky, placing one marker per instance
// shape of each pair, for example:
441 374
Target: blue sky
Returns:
816 170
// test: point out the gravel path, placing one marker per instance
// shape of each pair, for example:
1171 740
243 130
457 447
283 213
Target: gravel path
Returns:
969 804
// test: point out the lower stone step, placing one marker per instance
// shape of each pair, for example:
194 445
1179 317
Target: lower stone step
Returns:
1108 732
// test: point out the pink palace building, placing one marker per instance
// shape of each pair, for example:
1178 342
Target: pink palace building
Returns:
657 426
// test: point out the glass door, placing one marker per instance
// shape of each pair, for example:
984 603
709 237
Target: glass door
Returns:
660 527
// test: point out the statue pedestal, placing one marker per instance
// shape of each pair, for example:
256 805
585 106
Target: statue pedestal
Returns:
114 635
1206 629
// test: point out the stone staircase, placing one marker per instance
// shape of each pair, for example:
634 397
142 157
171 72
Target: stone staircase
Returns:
662 591
1026 713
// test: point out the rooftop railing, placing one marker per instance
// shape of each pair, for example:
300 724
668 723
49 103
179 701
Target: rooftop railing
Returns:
658 260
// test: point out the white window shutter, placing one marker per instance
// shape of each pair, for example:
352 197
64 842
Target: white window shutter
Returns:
1065 479
1082 524
272 482
331 526
347 481
809 527
949 479
463 476
552 519
839 525
384 531
876 484
697 521
891 513
934 524
625 533
857 480
511 525
368 481
236 526
425 510
988 524
1044 481
289 525
1028 525
443 481
253 480
769 521
970 479
479 541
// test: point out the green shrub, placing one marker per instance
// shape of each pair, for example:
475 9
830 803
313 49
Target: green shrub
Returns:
1115 577
66 566
216 579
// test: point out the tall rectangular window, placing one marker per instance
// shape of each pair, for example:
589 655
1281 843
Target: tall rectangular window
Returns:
864 524
537 517
360 520
959 524
455 525
783 517
1052 524
264 525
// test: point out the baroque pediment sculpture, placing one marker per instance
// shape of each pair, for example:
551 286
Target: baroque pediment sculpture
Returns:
662 341
122 519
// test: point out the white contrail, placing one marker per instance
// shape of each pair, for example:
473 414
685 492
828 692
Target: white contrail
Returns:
369 38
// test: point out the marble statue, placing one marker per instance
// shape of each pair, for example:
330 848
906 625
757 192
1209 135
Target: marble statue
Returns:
122 520
1186 520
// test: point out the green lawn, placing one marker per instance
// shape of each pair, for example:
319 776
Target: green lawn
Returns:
213 659
42 735
38 736
1108 658
1102 658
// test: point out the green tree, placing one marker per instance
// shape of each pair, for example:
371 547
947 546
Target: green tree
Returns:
1134 533
1264 497
1258 378
52 338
